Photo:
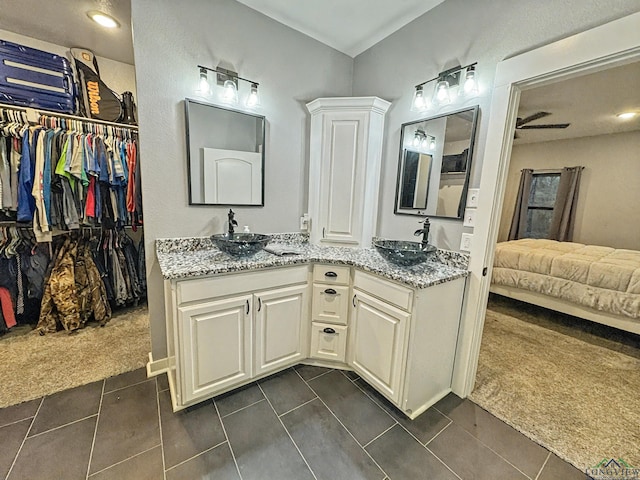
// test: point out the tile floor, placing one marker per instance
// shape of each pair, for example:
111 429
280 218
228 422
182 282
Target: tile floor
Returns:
303 423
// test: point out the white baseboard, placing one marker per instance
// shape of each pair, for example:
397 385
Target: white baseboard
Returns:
157 367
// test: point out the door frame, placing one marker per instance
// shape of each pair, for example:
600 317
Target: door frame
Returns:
609 45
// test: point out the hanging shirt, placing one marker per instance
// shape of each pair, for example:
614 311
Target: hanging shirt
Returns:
15 169
40 222
26 202
6 200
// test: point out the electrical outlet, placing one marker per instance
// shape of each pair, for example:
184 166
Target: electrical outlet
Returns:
470 217
472 197
304 223
465 242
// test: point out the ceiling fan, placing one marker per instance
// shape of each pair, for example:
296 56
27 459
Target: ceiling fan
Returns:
521 123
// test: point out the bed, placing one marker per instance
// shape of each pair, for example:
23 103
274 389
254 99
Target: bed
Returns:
601 284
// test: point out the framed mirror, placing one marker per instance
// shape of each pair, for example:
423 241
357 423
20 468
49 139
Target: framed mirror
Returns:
225 155
435 164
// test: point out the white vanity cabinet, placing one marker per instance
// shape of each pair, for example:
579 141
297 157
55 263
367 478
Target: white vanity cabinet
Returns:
403 340
330 312
344 169
232 328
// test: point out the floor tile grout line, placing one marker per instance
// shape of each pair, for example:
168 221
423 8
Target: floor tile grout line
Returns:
224 430
348 431
299 406
438 433
378 436
375 402
544 464
286 430
17 421
492 450
62 426
95 429
441 461
317 376
131 385
243 408
164 465
122 461
26 435
197 455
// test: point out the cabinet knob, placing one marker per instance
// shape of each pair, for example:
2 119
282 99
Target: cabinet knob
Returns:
331 274
330 291
329 330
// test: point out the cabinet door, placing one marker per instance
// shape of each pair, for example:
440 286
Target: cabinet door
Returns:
215 346
342 177
282 319
377 343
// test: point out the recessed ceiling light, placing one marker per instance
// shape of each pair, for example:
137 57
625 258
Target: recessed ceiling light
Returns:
626 115
103 19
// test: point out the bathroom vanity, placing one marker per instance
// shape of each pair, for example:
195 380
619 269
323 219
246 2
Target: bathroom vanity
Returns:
232 321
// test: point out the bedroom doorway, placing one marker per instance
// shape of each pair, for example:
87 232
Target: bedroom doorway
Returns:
516 79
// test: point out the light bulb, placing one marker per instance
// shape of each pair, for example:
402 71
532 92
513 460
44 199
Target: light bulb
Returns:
103 19
252 99
419 102
230 92
626 115
424 143
470 86
204 82
442 93
432 143
416 140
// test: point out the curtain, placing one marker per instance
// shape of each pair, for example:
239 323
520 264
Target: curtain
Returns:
519 221
564 209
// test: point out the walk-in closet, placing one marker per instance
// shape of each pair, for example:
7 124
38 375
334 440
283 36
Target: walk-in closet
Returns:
73 303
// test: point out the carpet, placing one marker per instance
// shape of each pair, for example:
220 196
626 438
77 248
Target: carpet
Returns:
577 399
34 365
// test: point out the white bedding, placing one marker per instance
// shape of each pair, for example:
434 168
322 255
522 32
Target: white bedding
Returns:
601 278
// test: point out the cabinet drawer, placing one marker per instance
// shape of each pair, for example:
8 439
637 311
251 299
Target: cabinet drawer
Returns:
390 292
330 303
231 284
331 274
328 342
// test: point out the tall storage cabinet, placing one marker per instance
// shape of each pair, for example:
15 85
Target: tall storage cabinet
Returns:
344 169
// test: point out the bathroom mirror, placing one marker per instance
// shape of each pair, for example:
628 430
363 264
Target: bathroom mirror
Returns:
225 155
435 163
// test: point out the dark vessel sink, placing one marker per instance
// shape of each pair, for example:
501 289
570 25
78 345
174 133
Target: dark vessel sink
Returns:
240 244
404 253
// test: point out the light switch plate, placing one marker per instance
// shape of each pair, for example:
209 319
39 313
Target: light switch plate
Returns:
470 217
472 197
465 242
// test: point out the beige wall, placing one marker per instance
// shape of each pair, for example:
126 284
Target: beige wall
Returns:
609 199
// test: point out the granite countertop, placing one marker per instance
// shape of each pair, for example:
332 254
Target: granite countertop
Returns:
181 258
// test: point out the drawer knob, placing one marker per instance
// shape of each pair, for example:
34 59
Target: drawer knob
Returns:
331 274
330 291
329 330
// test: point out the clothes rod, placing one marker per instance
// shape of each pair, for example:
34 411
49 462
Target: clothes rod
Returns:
47 113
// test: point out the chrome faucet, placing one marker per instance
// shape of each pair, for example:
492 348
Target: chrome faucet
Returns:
424 231
232 222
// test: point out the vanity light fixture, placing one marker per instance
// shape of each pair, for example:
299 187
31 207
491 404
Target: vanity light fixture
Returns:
103 19
458 81
228 81
419 138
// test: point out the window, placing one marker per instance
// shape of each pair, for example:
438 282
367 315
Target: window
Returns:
542 198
